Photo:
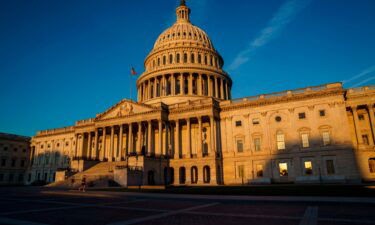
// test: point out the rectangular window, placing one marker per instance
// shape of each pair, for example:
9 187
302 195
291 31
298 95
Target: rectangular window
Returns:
239 146
301 115
1 177
280 141
10 178
283 167
20 177
3 162
305 140
257 144
326 138
322 113
259 169
365 139
361 117
371 164
238 123
241 171
308 168
13 162
330 167
255 121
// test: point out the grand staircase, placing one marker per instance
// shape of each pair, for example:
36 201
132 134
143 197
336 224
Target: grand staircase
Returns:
100 175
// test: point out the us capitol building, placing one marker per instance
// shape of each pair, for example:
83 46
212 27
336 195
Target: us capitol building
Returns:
185 128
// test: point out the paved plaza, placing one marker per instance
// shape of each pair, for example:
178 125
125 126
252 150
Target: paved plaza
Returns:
47 206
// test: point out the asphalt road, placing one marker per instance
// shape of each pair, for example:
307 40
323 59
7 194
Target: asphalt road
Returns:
28 205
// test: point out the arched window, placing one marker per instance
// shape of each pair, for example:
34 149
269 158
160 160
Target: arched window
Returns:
211 60
178 58
182 175
170 59
164 60
206 175
280 139
205 59
158 61
199 58
192 58
185 58
194 175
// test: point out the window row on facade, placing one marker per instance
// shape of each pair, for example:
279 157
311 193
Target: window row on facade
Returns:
12 162
280 140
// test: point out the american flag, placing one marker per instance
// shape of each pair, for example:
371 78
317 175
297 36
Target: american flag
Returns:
132 71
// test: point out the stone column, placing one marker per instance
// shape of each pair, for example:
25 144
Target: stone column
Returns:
81 152
199 85
356 125
222 89
190 84
155 87
120 140
89 147
149 137
372 120
111 145
216 88
173 84
182 84
199 151
166 151
76 146
209 86
160 137
130 142
188 145
212 139
162 86
139 144
177 140
226 91
95 150
103 153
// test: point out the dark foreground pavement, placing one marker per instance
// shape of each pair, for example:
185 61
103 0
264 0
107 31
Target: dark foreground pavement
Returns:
30 205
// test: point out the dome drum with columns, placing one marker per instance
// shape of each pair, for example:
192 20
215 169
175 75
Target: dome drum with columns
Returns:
183 65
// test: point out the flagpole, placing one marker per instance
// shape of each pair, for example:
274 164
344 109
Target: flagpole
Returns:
130 82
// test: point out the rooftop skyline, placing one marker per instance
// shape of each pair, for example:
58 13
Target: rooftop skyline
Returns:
64 61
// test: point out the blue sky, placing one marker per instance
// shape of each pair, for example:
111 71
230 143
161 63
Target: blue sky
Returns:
62 61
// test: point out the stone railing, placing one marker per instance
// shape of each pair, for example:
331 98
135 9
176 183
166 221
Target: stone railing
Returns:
84 122
55 131
289 93
361 89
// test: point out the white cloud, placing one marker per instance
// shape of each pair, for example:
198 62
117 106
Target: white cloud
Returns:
360 78
369 70
280 19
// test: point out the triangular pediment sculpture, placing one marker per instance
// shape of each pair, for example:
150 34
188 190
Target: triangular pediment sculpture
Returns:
124 108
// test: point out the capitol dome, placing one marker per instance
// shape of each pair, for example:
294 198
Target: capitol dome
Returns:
183 65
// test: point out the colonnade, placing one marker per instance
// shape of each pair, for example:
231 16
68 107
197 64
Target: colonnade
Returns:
184 84
171 139
359 134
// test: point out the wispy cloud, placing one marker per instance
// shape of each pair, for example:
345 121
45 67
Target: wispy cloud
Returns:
358 78
280 19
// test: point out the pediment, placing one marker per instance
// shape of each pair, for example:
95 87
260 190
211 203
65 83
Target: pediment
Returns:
124 108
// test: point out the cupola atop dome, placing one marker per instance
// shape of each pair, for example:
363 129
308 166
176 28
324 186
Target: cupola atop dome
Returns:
183 13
